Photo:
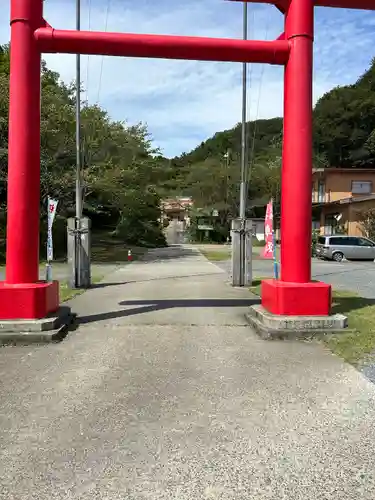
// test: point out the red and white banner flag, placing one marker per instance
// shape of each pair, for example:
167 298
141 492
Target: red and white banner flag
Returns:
268 232
52 207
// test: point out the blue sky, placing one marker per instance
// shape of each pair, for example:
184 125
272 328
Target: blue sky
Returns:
186 102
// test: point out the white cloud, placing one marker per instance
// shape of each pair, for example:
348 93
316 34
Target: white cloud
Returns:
185 102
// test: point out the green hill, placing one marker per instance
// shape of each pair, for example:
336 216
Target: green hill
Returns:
344 129
264 132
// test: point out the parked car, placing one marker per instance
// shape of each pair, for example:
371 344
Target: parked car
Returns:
337 247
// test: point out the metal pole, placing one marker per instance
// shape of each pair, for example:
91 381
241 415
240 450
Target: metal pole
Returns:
78 158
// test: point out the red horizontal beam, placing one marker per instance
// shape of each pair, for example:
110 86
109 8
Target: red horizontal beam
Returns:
344 4
347 4
160 46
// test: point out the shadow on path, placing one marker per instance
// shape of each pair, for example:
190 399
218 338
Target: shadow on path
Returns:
145 306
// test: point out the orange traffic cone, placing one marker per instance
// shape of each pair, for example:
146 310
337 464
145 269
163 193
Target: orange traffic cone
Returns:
130 258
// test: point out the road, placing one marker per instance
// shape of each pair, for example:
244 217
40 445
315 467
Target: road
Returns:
358 277
165 393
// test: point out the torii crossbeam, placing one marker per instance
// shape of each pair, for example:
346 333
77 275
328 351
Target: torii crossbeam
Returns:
283 5
22 295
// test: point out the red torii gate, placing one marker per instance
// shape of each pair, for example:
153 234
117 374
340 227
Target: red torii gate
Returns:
22 295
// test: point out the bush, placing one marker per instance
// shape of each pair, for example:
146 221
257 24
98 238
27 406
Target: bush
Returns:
141 233
368 223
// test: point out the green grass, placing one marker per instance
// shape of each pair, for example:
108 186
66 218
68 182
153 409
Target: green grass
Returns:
358 342
217 255
226 254
67 293
257 244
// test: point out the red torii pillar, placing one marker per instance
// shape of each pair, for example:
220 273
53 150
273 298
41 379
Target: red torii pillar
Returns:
22 296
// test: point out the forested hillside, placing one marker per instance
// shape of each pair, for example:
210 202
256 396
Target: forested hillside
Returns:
344 122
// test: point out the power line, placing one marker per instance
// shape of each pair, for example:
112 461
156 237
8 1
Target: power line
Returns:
85 153
250 80
102 60
257 111
88 56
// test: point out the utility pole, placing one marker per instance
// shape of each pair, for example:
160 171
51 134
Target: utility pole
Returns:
227 159
77 259
78 121
243 190
241 228
79 228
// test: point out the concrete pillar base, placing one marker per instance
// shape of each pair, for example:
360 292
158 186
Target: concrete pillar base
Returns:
273 326
53 328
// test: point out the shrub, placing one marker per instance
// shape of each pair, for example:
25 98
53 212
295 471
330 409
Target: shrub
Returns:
368 223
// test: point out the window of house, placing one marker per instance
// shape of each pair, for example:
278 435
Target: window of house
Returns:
321 192
361 187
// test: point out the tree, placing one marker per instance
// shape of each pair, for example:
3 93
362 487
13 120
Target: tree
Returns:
344 120
368 223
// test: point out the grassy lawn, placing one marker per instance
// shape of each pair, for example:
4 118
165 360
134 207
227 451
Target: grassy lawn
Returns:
359 342
217 255
225 253
67 293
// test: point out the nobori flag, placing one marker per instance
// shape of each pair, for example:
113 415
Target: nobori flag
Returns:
52 207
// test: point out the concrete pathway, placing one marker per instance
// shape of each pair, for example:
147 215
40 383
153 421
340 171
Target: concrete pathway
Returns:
164 393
